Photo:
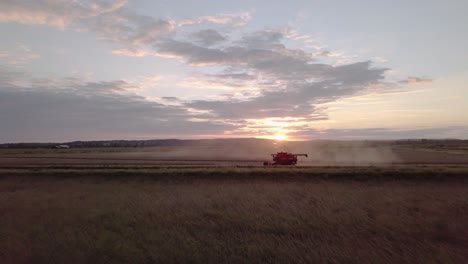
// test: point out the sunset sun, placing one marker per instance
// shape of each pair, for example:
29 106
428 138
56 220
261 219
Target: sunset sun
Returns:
280 136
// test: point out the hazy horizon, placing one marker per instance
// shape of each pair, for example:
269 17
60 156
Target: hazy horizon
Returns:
306 70
239 138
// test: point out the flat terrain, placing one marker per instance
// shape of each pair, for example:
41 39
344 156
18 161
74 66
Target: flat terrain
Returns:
158 205
227 155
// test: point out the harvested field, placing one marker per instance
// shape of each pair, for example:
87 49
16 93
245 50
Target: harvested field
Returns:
131 206
228 155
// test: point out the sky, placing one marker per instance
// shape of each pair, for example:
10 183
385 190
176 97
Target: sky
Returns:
296 70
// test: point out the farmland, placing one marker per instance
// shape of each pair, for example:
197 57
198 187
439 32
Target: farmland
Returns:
174 205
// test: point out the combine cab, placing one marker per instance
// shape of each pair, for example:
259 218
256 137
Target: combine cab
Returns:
284 158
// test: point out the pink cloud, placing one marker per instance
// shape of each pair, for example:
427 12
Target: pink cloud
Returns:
53 13
19 55
233 19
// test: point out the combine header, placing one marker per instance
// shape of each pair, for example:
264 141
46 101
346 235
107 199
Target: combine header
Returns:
284 158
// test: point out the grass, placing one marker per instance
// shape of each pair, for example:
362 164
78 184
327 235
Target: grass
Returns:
404 172
234 215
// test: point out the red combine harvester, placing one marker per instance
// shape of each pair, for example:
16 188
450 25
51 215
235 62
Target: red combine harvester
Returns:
284 158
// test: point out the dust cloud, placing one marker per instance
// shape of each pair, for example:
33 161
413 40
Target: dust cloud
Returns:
320 153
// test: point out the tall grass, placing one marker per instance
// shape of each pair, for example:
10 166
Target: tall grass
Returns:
94 218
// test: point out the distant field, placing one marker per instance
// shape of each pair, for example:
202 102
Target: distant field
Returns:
324 154
155 205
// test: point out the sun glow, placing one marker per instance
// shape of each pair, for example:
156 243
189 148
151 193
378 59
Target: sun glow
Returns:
279 136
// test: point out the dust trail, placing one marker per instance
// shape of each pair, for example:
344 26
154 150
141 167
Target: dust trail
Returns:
349 153
334 153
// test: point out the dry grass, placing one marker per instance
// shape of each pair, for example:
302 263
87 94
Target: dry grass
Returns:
147 216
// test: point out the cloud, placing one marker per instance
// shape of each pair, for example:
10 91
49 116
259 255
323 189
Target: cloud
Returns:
208 37
51 13
288 82
70 109
231 19
112 21
415 80
233 76
12 77
294 82
126 28
265 78
109 20
102 7
277 60
18 55
133 52
192 53
170 98
263 39
54 13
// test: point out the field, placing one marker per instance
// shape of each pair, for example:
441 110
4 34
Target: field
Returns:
167 205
